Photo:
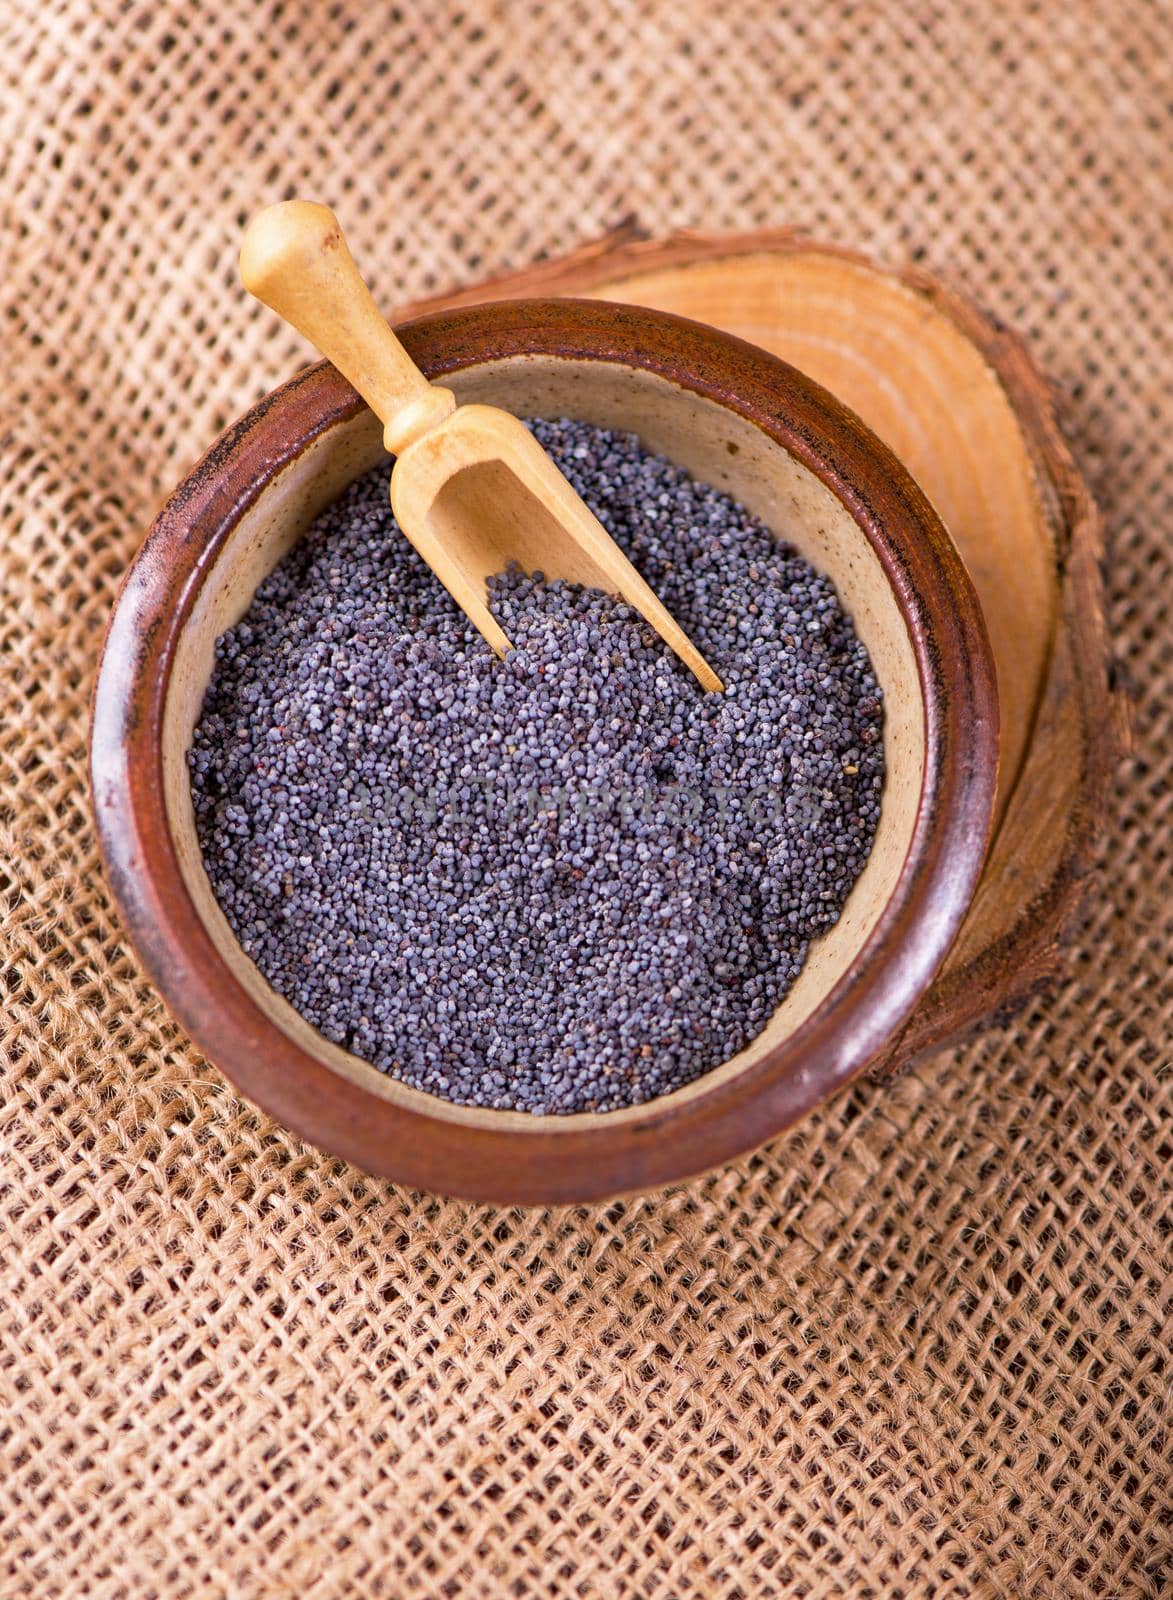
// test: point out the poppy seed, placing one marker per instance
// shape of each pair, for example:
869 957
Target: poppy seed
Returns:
564 882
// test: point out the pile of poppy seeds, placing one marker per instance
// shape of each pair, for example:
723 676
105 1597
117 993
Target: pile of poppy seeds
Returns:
566 881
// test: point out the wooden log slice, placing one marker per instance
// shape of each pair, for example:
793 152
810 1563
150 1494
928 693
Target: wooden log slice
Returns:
960 401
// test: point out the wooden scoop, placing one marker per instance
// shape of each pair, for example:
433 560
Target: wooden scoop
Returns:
471 486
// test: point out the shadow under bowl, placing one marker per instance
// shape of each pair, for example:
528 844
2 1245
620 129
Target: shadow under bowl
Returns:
734 417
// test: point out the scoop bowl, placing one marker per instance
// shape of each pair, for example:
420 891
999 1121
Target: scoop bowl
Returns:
733 416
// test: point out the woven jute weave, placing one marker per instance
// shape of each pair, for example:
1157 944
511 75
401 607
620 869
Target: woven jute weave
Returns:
917 1348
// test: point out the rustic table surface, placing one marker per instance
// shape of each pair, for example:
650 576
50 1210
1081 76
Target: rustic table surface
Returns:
917 1348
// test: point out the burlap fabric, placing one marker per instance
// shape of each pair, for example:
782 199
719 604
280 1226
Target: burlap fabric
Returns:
919 1347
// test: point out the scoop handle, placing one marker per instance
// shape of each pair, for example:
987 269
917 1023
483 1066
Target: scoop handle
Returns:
295 259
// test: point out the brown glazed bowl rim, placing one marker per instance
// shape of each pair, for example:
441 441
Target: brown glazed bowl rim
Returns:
667 1140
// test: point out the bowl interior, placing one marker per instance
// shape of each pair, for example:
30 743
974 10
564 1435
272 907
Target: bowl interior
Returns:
713 443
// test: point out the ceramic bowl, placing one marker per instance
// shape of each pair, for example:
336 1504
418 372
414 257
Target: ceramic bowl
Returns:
734 417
